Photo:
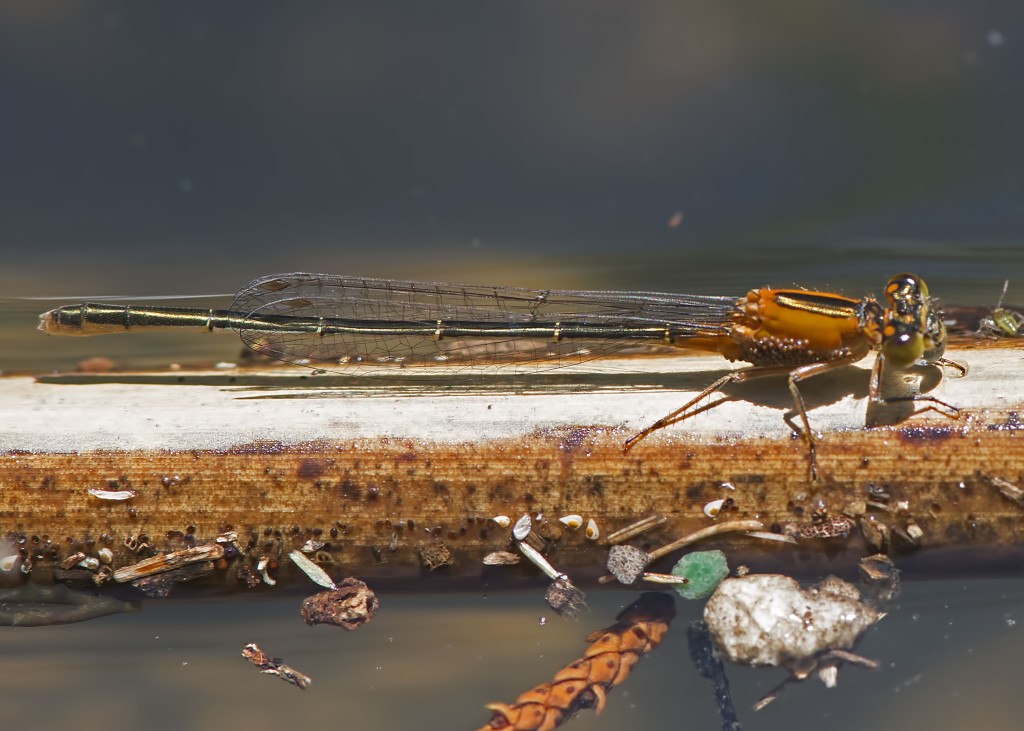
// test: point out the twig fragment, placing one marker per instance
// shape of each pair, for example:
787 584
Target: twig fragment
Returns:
630 531
1006 488
711 530
168 561
274 666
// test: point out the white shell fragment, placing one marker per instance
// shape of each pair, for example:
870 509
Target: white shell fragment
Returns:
261 566
500 558
90 562
502 521
115 495
713 508
105 555
316 574
312 546
592 532
829 675
7 562
767 619
571 521
522 528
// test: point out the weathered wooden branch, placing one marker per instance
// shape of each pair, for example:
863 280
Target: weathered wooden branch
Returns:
382 469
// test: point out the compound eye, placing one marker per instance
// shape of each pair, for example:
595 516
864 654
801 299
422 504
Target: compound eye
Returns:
903 349
906 287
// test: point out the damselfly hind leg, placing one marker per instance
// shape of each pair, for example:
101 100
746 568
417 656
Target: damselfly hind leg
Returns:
795 375
684 412
801 374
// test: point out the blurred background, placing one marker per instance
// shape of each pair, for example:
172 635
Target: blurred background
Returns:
185 148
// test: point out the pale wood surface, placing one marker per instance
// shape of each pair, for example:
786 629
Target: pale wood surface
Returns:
395 464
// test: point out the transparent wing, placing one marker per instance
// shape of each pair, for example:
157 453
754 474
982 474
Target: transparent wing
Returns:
378 301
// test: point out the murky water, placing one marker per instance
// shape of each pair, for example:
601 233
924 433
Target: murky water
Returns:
690 146
949 657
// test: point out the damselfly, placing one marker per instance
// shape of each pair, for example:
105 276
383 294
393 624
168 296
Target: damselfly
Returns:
328 321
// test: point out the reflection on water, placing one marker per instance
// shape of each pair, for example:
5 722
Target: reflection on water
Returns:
949 657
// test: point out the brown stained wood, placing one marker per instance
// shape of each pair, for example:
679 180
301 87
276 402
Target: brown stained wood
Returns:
379 501
386 498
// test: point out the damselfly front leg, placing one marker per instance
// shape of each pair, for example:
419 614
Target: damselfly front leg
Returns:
904 386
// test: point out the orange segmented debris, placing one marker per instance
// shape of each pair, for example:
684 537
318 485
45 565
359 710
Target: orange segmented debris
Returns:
584 683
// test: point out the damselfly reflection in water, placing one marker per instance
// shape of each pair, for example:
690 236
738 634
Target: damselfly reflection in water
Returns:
337 322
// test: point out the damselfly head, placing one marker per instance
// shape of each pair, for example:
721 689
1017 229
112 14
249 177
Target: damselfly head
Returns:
913 332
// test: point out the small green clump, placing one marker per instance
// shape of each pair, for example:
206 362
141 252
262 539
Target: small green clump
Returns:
704 571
